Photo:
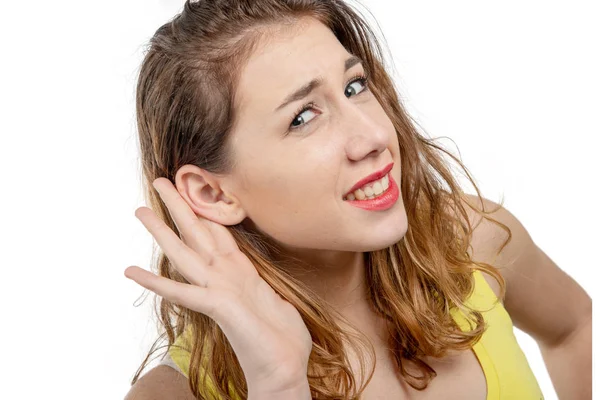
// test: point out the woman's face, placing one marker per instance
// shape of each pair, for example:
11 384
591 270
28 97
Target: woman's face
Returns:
293 170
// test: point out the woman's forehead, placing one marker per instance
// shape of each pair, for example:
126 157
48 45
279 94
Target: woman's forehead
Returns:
280 66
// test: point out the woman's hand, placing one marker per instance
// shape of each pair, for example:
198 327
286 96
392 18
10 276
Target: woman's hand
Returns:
266 332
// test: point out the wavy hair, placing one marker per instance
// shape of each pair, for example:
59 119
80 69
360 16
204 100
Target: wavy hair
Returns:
185 113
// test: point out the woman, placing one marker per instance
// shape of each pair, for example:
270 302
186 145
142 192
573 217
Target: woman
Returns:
315 244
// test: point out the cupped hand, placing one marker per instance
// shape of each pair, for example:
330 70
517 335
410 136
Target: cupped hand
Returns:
266 332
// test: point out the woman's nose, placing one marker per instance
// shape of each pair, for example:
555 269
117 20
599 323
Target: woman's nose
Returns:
364 135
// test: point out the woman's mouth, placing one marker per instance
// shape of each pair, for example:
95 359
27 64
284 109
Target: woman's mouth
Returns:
379 195
371 190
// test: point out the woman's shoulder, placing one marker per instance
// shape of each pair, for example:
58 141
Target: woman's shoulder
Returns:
493 284
161 382
487 237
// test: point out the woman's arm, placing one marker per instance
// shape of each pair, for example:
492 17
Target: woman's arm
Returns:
569 363
542 300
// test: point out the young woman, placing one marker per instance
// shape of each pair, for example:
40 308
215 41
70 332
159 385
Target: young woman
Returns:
314 244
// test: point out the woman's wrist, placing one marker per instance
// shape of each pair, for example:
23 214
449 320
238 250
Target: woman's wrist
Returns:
301 391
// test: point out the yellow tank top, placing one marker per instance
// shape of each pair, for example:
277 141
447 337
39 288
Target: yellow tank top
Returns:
506 369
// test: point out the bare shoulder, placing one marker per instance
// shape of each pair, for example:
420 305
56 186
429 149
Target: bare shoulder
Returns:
160 383
541 299
487 237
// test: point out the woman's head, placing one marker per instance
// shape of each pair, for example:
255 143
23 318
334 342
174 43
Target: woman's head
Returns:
239 154
212 119
290 168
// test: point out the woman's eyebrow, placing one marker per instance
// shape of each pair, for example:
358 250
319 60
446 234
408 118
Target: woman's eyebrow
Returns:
313 84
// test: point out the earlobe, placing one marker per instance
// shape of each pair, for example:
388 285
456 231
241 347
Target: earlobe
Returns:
229 210
204 194
230 213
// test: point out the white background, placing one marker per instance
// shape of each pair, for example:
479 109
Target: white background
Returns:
515 84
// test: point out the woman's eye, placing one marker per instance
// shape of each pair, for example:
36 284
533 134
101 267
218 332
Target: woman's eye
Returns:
351 89
299 117
362 80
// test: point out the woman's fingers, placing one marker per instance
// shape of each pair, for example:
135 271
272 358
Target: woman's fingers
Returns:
196 236
187 262
202 235
225 243
189 296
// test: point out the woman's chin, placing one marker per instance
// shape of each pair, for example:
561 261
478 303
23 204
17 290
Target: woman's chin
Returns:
383 238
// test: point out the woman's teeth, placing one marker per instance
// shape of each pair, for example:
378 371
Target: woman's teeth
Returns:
370 190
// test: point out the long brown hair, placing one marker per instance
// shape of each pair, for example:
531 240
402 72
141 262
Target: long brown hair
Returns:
184 105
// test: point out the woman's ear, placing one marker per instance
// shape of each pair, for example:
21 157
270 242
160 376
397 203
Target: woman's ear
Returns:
205 195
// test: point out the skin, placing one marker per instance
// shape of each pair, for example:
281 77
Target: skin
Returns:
290 185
